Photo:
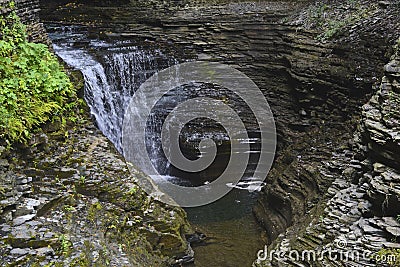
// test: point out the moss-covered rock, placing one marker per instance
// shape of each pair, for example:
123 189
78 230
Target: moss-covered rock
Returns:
77 203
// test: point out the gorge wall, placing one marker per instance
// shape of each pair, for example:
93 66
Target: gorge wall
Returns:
358 222
67 197
315 88
28 11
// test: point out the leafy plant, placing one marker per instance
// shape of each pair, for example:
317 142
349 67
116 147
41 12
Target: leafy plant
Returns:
333 28
390 257
326 19
65 244
33 86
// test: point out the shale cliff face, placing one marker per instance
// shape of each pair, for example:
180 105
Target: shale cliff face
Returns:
68 199
28 11
378 142
315 80
358 208
330 81
359 222
71 200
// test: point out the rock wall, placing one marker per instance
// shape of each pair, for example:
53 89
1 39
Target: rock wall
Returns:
69 199
330 83
361 215
352 215
28 11
378 142
315 89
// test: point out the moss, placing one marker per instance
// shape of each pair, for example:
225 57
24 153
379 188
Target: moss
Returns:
34 89
93 211
105 210
389 257
331 20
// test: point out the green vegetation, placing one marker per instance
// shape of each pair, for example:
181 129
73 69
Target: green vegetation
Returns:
388 257
331 20
34 89
65 244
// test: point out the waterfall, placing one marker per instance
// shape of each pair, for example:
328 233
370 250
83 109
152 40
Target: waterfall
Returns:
112 76
114 71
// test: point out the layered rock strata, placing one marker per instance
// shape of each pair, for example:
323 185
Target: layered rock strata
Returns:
70 200
360 221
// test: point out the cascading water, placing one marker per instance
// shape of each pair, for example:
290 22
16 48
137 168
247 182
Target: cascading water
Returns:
113 72
110 86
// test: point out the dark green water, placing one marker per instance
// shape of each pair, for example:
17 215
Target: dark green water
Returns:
233 235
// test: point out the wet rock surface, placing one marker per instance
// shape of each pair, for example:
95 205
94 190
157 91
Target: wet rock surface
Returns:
75 204
361 214
315 88
28 11
306 81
